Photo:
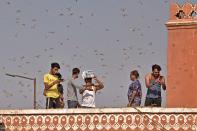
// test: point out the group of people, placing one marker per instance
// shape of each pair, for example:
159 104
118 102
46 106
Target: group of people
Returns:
54 91
154 82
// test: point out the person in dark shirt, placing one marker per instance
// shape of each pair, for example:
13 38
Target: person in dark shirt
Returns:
135 91
154 81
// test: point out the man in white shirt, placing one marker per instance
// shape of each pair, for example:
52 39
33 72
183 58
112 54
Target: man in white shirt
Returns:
89 91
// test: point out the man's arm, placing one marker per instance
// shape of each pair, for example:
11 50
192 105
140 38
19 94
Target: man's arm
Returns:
48 86
163 83
132 98
82 89
99 85
147 81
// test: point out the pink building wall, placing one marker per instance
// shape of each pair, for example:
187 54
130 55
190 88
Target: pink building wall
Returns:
182 56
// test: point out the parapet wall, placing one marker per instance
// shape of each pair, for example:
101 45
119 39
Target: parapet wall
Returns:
108 119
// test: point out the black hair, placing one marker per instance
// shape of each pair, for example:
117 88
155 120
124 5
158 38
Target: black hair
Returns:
135 73
88 80
155 66
58 75
53 65
75 71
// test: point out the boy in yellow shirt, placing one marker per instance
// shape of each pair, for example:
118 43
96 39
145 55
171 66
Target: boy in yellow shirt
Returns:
51 92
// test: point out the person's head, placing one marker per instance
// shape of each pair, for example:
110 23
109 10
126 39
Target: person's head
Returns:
58 75
55 68
75 73
156 70
88 80
134 75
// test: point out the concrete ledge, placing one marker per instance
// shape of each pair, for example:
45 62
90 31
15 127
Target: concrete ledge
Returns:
181 23
100 111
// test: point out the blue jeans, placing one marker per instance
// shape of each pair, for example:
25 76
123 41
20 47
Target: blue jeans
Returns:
72 104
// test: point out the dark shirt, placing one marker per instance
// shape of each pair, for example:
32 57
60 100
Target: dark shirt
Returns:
135 86
155 90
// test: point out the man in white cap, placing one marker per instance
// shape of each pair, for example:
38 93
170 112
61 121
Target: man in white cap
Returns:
89 89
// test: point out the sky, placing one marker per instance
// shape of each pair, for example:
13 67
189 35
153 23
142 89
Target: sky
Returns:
110 37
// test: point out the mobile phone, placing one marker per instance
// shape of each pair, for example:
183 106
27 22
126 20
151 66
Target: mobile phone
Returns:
61 79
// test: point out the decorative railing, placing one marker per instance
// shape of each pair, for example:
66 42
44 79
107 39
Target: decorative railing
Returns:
182 15
185 11
113 119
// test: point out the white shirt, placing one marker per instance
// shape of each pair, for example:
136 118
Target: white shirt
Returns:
88 98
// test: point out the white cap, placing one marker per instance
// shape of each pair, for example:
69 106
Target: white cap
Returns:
88 74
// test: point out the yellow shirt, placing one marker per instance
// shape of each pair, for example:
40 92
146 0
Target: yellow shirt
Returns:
51 92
